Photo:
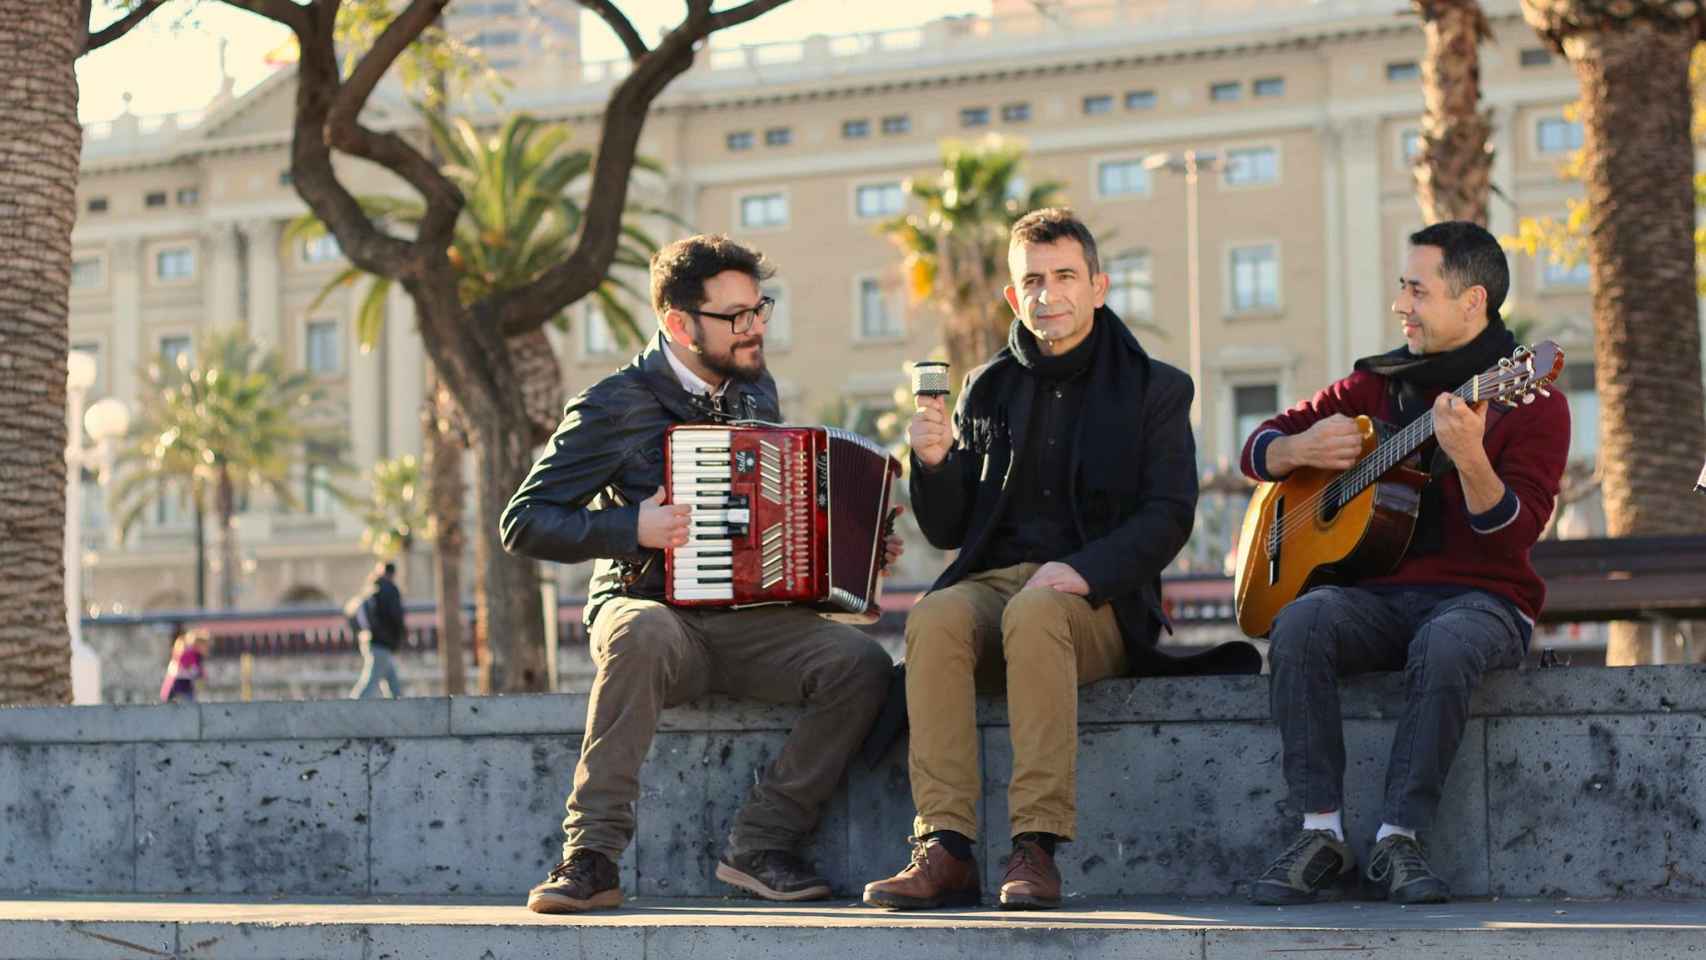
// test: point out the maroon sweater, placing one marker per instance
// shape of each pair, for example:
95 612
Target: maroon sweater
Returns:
1527 446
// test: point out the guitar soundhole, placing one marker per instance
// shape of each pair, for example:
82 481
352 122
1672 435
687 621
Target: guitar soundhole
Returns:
1274 536
1330 507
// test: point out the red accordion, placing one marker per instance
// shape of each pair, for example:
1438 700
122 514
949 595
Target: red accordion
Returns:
780 515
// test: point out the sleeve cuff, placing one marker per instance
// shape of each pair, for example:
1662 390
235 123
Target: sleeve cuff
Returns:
1499 517
1259 454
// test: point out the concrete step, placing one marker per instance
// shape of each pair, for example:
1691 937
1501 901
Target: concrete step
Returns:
659 929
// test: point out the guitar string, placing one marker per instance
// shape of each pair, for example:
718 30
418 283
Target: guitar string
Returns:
1368 471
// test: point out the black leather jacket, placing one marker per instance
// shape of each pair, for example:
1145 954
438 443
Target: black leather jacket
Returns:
581 499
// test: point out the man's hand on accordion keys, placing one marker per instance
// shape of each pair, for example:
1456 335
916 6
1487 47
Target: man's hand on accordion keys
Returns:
662 524
893 545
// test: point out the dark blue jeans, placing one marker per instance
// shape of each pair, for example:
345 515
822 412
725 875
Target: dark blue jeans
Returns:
1443 643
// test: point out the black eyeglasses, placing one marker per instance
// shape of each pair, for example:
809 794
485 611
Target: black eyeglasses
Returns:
742 321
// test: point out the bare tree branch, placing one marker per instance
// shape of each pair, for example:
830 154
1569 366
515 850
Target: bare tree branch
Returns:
741 14
279 11
393 40
624 30
118 28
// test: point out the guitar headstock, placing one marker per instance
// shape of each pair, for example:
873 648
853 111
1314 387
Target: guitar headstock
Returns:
1522 375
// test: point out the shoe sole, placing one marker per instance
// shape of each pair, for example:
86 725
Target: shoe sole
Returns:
757 887
1024 902
557 903
1279 895
896 901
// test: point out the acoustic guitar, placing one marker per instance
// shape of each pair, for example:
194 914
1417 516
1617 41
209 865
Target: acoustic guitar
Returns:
1319 526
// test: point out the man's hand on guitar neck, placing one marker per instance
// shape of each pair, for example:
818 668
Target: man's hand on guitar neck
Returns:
1460 428
1330 444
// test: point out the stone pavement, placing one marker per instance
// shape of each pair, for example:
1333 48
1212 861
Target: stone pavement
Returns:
259 928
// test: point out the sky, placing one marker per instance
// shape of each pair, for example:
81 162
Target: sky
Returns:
171 62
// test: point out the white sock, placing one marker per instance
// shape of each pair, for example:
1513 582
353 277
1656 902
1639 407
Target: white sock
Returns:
1387 830
1332 820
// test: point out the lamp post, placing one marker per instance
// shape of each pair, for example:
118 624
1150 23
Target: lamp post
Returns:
1190 163
105 421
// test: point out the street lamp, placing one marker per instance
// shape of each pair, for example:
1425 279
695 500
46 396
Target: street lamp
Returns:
1190 163
105 421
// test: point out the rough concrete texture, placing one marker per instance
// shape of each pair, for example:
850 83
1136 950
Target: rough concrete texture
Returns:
697 930
1571 781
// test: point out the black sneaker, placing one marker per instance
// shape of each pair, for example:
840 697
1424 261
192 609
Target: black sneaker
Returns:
773 875
1401 874
587 880
1311 869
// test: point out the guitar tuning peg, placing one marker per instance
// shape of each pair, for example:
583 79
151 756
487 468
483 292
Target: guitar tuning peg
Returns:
1528 398
1545 392
1505 363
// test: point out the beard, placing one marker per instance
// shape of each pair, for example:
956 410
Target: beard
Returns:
728 363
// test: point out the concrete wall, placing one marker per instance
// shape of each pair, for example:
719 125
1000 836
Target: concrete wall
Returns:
1578 781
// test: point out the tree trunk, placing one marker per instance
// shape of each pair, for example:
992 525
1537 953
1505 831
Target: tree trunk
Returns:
1639 168
200 534
446 495
40 143
972 336
226 509
1454 170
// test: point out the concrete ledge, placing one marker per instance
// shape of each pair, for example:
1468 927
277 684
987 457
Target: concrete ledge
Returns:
696 930
1576 781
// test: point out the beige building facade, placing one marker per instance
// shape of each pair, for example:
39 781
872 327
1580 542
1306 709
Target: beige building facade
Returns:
801 149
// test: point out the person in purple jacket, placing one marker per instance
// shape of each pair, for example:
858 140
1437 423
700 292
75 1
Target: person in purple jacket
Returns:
184 669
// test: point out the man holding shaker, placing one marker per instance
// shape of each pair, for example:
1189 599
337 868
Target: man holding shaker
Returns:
1067 480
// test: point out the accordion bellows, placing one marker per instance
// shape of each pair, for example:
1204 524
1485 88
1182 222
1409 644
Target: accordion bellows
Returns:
779 515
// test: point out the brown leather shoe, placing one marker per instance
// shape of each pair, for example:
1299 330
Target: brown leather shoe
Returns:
1032 881
934 878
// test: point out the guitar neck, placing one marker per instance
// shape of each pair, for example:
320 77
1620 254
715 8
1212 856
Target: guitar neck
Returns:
1391 452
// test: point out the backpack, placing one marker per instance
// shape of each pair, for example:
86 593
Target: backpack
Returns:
355 613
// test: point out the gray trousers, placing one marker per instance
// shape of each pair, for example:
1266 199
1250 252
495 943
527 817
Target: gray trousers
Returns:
1442 643
376 664
650 656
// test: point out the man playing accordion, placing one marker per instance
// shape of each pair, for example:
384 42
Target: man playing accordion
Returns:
596 494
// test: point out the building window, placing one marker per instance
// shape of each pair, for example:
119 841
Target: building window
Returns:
88 273
1554 274
1016 113
1225 92
878 200
1251 405
897 124
1268 87
1535 57
1255 278
1252 166
154 198
1410 145
1557 135
175 348
1403 71
1121 178
97 204
855 129
495 38
174 263
740 140
974 117
878 320
779 329
316 498
764 210
92 349
1098 104
188 196
285 179
778 136
321 249
320 347
597 339
1140 100
1130 292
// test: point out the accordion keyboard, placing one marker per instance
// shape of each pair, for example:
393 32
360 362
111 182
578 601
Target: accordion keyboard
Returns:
749 495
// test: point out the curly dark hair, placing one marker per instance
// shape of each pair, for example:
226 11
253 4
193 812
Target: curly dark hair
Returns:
679 270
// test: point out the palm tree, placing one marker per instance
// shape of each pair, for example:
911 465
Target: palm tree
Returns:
1453 171
524 188
956 247
229 423
395 512
1632 61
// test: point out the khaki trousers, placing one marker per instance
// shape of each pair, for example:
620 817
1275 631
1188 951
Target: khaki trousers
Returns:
985 634
651 656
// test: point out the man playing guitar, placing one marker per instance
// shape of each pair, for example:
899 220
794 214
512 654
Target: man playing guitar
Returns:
1460 602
